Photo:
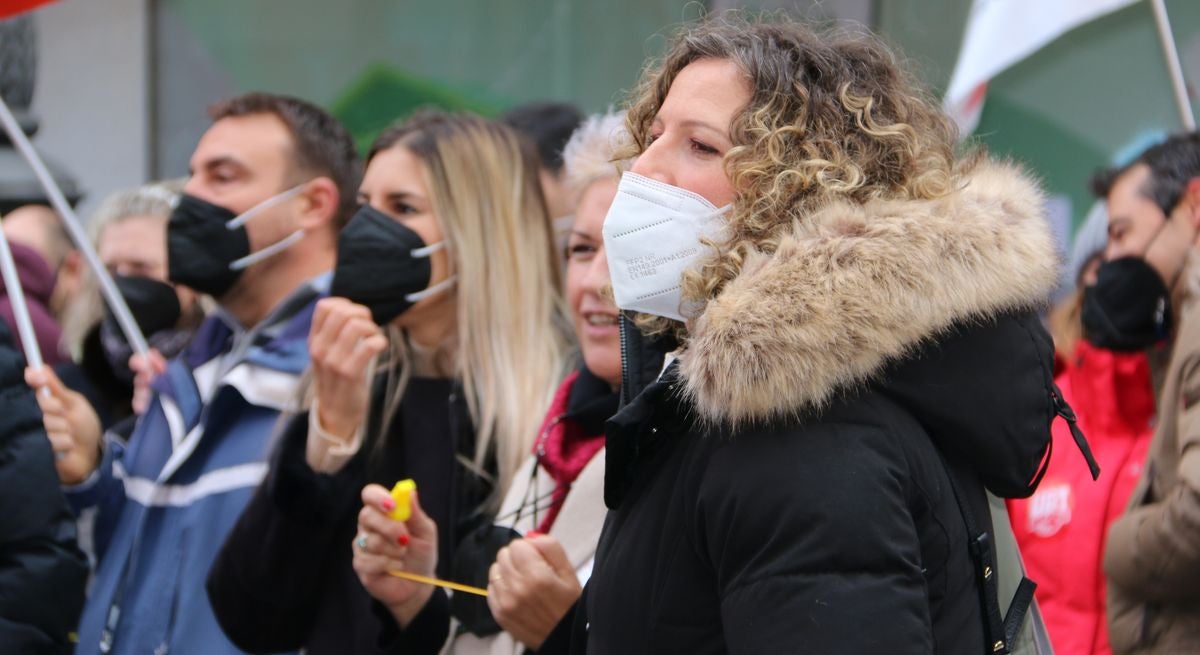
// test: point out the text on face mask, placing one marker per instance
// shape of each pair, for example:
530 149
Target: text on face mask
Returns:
647 265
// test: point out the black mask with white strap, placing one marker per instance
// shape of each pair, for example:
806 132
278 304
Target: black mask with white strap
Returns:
384 265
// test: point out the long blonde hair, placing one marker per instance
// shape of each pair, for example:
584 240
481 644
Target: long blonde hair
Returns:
512 328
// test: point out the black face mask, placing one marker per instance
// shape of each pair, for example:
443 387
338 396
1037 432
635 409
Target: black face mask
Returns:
155 308
382 265
208 246
1128 308
201 248
154 304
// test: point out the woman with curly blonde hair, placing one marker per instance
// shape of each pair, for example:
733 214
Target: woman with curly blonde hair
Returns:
846 311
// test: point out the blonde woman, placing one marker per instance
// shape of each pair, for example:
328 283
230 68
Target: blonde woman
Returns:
445 297
552 514
855 358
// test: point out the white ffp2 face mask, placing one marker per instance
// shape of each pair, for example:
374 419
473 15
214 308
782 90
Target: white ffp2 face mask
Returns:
652 234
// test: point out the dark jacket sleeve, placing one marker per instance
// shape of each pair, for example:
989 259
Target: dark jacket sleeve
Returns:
812 543
567 636
266 583
425 635
42 571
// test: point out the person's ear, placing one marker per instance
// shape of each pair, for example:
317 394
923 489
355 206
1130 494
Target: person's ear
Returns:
1191 193
73 266
320 204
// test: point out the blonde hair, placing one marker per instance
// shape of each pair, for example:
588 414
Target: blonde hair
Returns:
87 308
512 326
832 116
1065 319
590 154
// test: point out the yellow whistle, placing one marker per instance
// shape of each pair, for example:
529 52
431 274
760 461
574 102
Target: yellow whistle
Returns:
402 494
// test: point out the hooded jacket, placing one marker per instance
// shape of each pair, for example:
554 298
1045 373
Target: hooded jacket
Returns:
785 485
42 572
1153 554
166 500
37 280
1062 527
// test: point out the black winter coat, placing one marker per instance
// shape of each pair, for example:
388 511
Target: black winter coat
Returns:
42 571
284 580
784 487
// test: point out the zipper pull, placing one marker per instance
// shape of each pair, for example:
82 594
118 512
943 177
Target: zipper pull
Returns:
1064 410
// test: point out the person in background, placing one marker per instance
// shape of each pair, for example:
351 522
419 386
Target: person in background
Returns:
1146 294
40 227
48 268
435 360
548 125
1062 528
42 573
556 498
272 182
129 231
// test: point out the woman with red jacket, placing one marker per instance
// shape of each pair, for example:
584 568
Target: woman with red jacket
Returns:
1062 528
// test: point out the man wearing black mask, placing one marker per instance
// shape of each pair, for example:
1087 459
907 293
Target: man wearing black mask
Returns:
1149 237
272 182
1145 294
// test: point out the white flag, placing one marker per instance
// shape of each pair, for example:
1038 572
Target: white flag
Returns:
1001 33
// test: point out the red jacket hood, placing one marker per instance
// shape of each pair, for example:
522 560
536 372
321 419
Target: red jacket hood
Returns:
1112 389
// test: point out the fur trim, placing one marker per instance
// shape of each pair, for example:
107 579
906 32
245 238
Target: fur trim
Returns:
856 286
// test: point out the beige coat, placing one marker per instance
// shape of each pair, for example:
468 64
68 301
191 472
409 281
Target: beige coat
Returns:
1153 555
577 528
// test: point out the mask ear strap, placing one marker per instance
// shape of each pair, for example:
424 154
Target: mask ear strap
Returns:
245 216
428 250
1154 239
721 211
418 296
270 250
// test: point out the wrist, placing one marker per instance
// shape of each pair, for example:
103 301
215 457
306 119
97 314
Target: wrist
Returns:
91 462
560 611
404 612
76 469
334 425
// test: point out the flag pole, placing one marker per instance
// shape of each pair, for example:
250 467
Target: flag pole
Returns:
1166 38
20 309
71 222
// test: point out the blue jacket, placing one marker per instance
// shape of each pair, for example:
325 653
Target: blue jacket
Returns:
168 499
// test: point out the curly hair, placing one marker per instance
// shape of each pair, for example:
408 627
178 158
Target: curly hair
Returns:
832 116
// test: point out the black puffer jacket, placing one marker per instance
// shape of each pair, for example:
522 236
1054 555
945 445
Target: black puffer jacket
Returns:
284 581
785 485
42 571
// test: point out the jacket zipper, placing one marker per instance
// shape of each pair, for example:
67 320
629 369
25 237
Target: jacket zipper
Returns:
626 374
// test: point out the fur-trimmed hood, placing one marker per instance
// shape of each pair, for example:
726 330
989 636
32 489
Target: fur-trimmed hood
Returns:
856 287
